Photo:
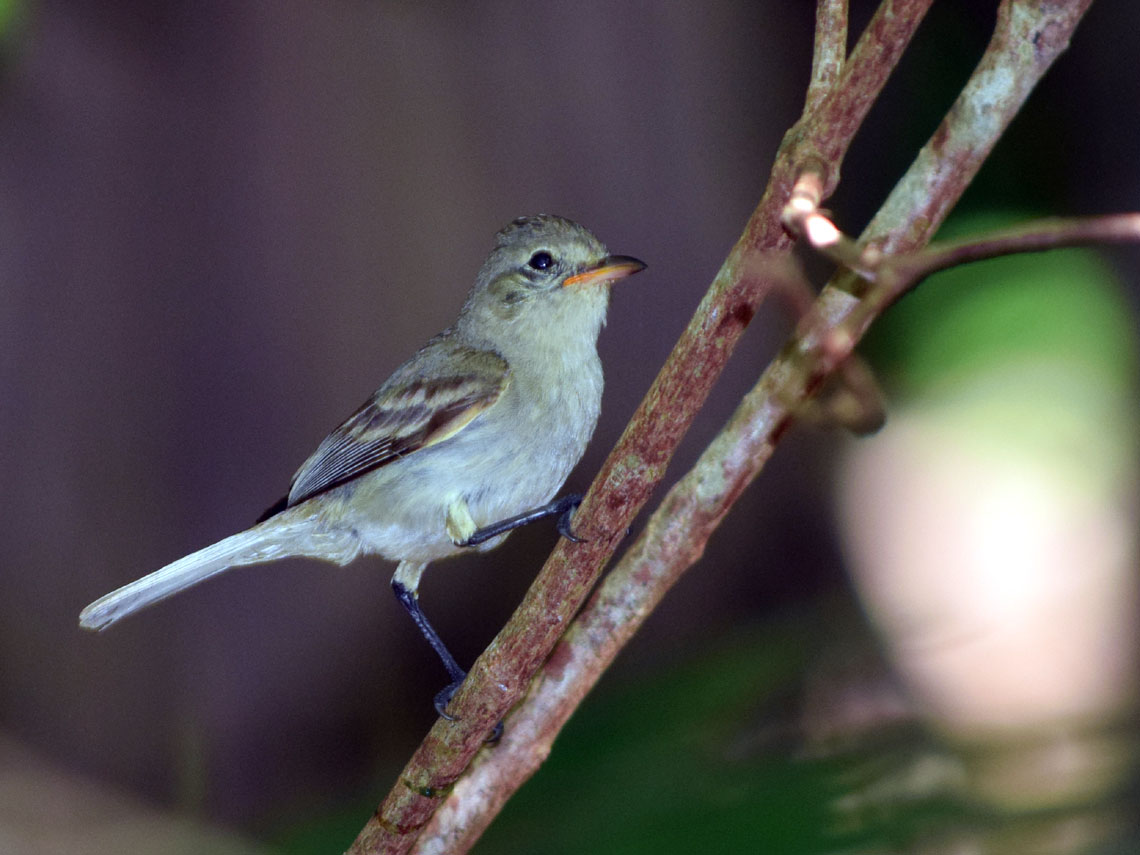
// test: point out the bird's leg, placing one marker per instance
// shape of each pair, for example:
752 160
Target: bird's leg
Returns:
563 507
405 584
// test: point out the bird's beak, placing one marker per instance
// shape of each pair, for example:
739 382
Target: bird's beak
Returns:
609 269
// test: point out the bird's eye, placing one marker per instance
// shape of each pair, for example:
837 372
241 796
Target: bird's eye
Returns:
541 260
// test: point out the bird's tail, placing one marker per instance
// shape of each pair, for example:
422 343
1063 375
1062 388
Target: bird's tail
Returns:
286 534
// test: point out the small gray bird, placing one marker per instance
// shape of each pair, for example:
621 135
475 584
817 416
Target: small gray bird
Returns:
468 439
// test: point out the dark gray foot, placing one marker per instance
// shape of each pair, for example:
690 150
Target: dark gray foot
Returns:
567 517
444 695
443 698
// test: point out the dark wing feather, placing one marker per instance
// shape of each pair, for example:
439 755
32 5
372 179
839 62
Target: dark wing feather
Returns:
406 414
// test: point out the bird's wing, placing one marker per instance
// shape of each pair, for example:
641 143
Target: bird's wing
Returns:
429 399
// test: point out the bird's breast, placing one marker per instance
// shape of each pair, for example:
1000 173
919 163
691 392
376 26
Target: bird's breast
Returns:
513 457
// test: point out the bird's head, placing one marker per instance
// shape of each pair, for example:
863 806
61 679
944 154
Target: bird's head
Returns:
546 276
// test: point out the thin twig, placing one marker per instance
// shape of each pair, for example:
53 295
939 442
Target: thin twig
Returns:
896 275
1036 236
637 464
802 216
675 535
891 276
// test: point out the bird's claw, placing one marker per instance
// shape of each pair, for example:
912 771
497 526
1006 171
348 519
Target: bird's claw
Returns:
563 525
443 698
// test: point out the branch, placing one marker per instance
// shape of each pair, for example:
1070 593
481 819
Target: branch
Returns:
1028 37
637 464
676 533
830 50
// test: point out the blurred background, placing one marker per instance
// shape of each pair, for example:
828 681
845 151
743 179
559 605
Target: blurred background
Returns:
223 224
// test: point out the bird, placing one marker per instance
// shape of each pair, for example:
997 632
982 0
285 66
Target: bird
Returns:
470 438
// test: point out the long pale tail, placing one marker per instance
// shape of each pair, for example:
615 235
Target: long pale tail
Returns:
287 534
